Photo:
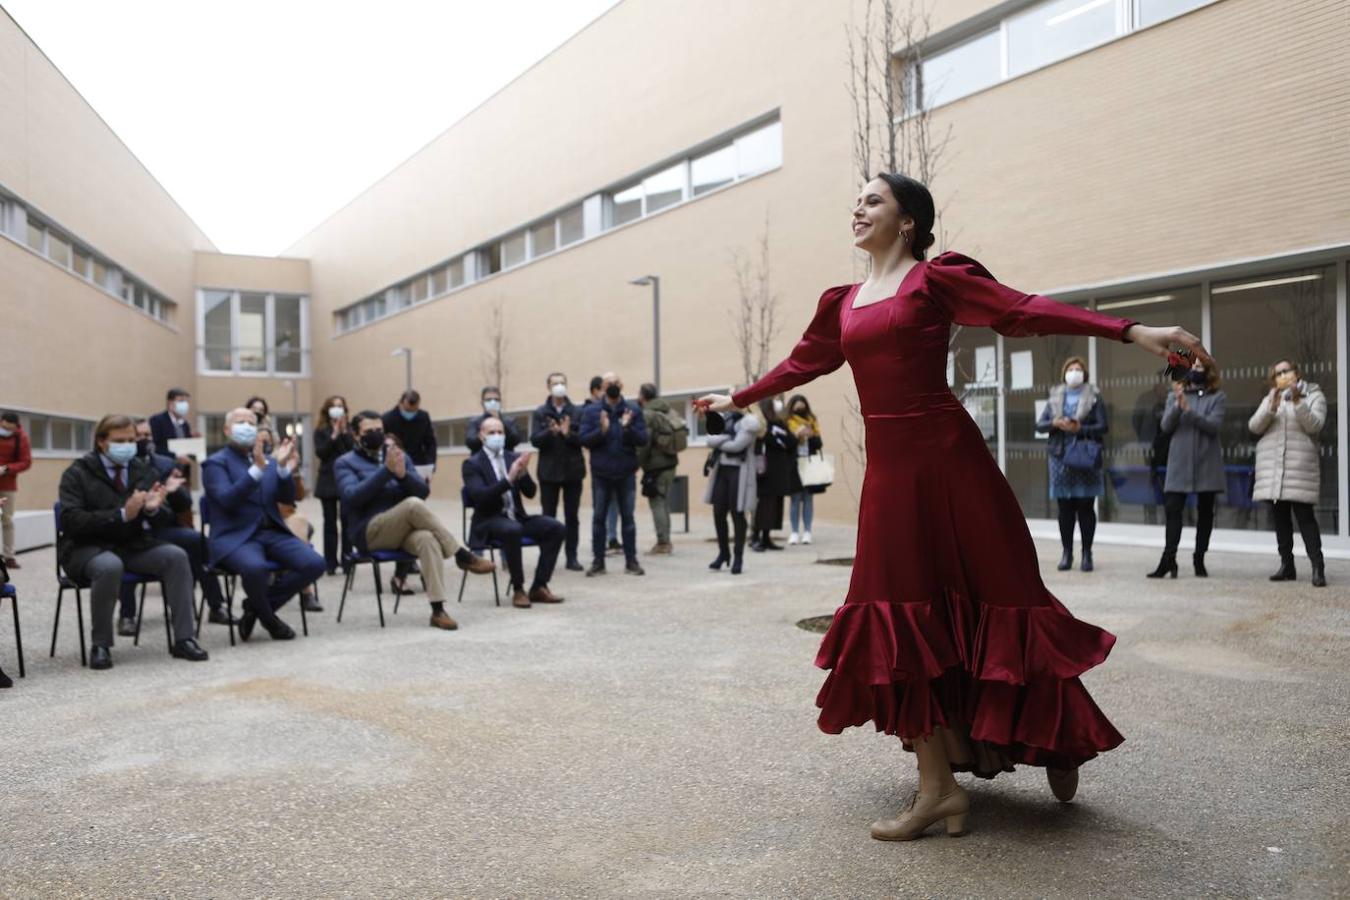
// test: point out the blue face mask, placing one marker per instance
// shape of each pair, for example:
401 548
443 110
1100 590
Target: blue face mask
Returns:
244 433
408 414
180 407
492 406
122 452
495 442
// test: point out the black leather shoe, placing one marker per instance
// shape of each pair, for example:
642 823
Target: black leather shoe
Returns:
597 568
1286 571
219 616
5 680
246 623
574 565
633 568
100 657
189 650
1087 561
718 563
1199 560
310 603
1065 560
1319 574
126 627
330 571
736 566
280 631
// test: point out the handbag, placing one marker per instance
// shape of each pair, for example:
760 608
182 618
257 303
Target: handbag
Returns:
816 470
1082 453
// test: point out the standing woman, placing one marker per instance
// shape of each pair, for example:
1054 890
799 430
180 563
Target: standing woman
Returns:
806 431
1076 420
731 485
948 638
1288 464
1193 417
332 438
779 479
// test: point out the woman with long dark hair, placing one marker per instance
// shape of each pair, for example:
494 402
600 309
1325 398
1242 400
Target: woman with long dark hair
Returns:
948 638
332 438
805 430
777 474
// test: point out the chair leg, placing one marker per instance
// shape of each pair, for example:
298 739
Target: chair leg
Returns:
18 635
304 619
229 608
463 577
496 590
201 608
379 594
346 586
79 617
140 614
56 625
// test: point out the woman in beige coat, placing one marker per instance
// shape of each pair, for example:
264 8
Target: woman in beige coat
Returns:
1288 467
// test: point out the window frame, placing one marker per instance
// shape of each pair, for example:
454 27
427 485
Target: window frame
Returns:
269 369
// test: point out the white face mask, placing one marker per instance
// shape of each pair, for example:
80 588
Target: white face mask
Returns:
336 412
492 406
778 406
5 432
1073 377
559 391
180 408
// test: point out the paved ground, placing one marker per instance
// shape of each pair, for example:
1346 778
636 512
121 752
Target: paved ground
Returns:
656 737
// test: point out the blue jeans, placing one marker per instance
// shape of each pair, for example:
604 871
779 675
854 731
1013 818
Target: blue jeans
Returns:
611 513
614 493
803 506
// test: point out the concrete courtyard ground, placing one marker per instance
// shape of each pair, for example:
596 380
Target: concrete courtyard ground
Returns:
656 737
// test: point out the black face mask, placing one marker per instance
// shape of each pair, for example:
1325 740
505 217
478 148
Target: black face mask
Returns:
143 447
613 392
1198 377
372 441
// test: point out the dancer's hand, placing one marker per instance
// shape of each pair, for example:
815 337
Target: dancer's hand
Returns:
714 403
1158 340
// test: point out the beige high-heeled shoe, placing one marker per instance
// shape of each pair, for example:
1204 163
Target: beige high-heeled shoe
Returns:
921 812
1063 783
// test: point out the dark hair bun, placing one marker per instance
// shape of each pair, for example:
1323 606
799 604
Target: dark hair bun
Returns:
915 201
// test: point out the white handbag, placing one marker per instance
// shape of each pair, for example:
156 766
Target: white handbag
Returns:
816 470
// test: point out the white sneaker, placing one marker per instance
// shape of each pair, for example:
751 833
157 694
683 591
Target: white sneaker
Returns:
792 539
806 537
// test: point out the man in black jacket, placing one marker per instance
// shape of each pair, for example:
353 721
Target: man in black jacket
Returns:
413 427
556 432
491 398
111 503
497 480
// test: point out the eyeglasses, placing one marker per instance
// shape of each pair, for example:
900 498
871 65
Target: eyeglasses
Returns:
1279 372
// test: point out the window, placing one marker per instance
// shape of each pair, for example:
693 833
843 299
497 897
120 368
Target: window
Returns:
490 259
36 237
58 250
712 170
455 271
58 434
1151 12
450 433
257 333
101 274
961 70
663 189
417 289
513 250
1054 30
81 264
571 226
543 238
760 150
625 206
438 282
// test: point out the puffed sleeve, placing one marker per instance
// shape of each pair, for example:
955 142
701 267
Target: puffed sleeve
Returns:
817 353
969 295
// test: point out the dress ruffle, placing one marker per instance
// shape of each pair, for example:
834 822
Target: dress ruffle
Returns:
1008 681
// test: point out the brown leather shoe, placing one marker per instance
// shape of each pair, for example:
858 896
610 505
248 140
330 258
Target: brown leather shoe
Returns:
542 594
12 563
520 600
442 619
660 549
477 565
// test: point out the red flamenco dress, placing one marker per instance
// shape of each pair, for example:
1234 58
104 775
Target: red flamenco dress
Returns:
947 622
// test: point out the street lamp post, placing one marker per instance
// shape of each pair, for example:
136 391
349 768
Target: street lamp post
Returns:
407 353
655 282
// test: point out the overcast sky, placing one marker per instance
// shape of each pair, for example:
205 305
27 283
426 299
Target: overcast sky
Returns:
263 118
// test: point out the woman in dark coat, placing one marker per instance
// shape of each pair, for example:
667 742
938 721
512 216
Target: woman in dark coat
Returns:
1074 412
332 439
778 475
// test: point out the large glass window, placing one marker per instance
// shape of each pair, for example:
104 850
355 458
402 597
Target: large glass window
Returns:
626 205
543 238
664 189
972 374
58 249
1153 11
1031 368
961 70
1135 394
455 272
759 150
36 236
1054 30
571 226
417 289
712 170
513 250
81 262
438 283
256 332
1255 322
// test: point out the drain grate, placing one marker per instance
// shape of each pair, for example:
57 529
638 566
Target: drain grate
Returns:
818 624
836 561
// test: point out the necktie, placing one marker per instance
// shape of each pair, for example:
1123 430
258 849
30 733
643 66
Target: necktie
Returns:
119 481
499 468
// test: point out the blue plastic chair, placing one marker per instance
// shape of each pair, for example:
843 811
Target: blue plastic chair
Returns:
66 583
231 577
8 591
373 558
490 547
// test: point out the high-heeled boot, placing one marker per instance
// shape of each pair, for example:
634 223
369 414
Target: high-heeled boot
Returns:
1199 560
1319 571
1087 559
1166 566
1286 570
1066 559
722 557
736 564
921 812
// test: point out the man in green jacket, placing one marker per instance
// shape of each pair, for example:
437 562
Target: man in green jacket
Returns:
658 460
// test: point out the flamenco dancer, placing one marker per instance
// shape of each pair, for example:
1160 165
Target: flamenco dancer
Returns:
948 638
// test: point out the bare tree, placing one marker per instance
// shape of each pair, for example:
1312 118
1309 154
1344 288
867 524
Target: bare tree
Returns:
493 359
754 319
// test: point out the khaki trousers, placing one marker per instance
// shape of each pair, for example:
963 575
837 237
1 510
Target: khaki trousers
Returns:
7 521
412 527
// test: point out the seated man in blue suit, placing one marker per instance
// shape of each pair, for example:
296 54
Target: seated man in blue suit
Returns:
244 487
180 502
495 479
383 508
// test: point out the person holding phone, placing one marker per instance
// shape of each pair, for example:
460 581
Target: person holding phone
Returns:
332 438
